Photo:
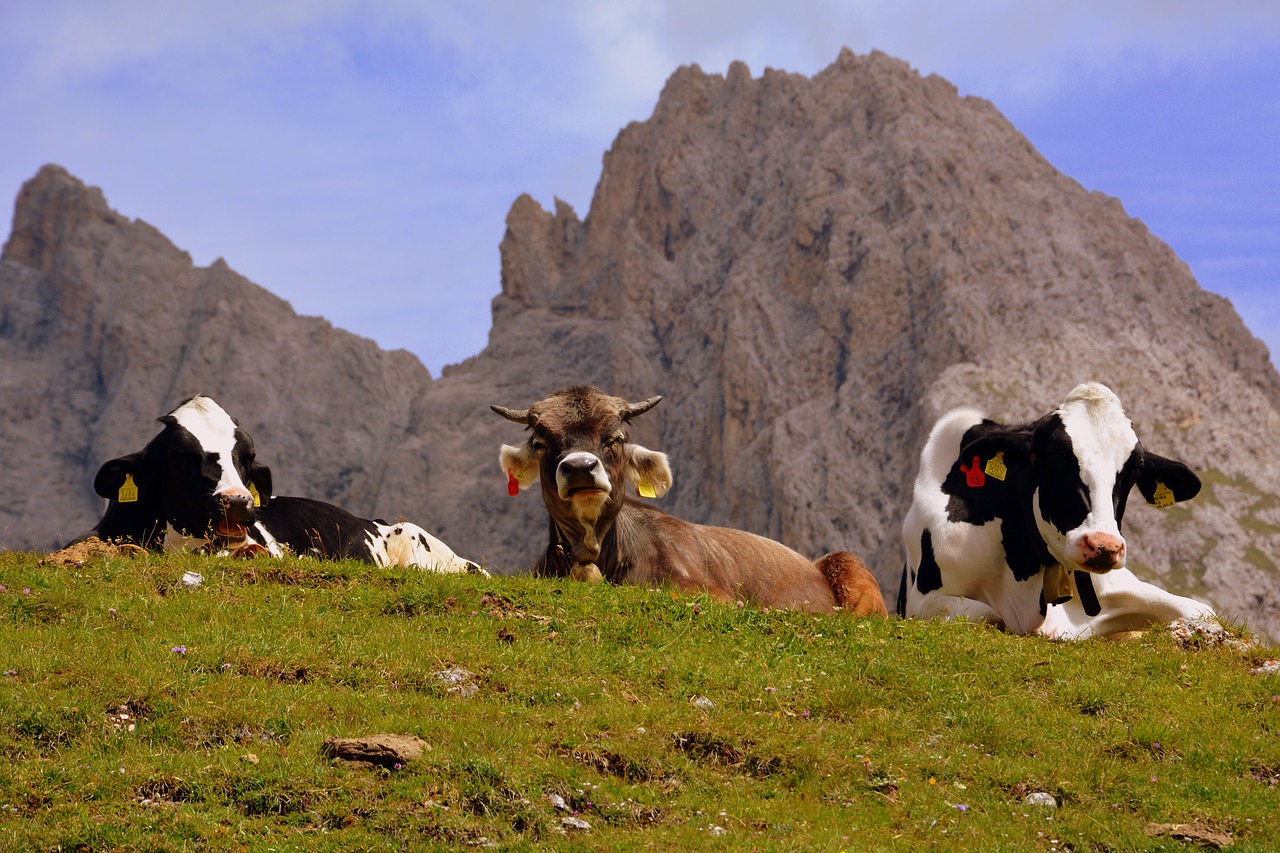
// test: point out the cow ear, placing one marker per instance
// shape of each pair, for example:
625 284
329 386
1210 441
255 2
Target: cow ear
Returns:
518 461
1163 478
995 453
260 483
111 476
648 470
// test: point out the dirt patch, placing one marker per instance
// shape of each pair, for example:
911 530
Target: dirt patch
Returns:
1194 832
619 766
164 790
124 716
78 553
711 749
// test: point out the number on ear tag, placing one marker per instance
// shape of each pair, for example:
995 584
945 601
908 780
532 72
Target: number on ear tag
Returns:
995 466
1163 496
128 492
646 489
973 475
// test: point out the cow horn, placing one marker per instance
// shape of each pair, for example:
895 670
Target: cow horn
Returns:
640 408
513 415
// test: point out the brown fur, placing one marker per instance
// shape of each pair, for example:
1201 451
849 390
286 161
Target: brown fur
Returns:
632 542
856 588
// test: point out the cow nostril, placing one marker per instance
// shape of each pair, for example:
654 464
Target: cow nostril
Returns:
580 465
1103 549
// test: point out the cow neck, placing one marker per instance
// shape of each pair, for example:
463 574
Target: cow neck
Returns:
585 552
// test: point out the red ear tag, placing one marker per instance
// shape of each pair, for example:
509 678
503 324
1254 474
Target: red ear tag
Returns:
513 486
973 474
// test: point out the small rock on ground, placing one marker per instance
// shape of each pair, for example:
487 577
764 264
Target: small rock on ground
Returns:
1194 632
384 750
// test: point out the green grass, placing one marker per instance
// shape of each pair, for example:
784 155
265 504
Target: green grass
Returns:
827 733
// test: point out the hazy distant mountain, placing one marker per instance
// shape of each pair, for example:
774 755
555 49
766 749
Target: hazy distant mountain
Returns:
809 269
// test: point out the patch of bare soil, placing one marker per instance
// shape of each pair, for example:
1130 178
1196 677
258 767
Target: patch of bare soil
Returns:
78 553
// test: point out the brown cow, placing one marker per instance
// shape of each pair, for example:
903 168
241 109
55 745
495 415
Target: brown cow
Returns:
580 451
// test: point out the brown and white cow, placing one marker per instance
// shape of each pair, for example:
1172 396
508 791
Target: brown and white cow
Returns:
579 448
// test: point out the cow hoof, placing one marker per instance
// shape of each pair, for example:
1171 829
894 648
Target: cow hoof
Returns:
251 550
588 572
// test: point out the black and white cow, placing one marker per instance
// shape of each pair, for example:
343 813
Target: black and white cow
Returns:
1020 525
198 485
309 527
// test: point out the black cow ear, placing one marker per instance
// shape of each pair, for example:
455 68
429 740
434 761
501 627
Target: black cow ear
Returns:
994 452
1164 481
117 474
260 483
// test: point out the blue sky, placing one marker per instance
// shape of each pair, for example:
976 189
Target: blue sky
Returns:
358 158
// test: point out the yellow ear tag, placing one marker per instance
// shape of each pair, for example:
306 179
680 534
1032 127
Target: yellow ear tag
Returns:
128 492
995 466
646 490
257 498
1163 496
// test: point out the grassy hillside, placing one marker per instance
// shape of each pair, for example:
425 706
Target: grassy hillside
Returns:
138 714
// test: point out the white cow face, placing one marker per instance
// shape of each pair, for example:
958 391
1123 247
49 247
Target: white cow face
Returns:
200 473
1086 458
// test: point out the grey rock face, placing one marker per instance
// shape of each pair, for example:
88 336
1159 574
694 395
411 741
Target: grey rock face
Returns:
811 270
105 326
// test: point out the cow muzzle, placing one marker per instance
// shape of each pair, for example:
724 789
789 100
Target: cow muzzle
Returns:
236 511
1101 552
581 475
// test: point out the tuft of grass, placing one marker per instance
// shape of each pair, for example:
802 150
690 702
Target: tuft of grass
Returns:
138 714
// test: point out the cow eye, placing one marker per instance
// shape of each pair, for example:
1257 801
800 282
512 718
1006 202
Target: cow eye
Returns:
615 441
538 445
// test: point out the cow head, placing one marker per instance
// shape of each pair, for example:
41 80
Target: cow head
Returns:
199 474
1078 465
579 448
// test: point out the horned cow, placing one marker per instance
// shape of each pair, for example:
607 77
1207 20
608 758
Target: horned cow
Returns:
1020 525
579 449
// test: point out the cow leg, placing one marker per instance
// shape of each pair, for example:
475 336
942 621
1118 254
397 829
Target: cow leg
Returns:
1127 603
